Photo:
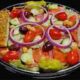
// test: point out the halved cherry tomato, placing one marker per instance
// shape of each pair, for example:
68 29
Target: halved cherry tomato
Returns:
15 13
72 57
29 36
59 55
55 34
72 18
10 55
61 16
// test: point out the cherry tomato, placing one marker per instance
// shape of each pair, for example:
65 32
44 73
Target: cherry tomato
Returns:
29 36
10 55
61 16
15 13
72 57
55 34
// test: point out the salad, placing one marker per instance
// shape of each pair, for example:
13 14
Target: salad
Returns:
39 36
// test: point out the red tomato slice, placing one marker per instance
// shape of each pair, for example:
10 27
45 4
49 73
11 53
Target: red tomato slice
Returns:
29 36
61 16
55 34
72 57
15 13
10 55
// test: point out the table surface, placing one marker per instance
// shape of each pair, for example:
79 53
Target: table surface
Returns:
6 75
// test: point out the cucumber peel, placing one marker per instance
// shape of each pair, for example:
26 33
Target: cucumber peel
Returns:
14 22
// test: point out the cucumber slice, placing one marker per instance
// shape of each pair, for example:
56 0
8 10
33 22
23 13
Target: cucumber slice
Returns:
18 37
32 19
35 11
9 43
16 31
59 23
21 40
65 41
14 21
13 26
52 6
38 45
27 57
66 50
34 69
58 41
47 23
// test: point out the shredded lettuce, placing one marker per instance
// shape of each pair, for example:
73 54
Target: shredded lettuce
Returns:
18 64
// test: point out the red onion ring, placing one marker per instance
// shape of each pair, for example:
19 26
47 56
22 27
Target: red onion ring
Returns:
29 43
40 22
70 29
54 42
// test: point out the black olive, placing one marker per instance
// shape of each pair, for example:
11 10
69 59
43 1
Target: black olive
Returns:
47 46
28 14
14 47
23 30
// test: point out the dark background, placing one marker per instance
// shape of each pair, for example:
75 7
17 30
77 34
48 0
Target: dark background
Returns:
6 75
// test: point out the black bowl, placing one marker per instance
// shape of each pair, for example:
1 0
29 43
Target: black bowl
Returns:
49 75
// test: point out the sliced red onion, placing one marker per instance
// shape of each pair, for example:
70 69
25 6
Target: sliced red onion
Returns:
56 43
29 43
61 27
40 22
